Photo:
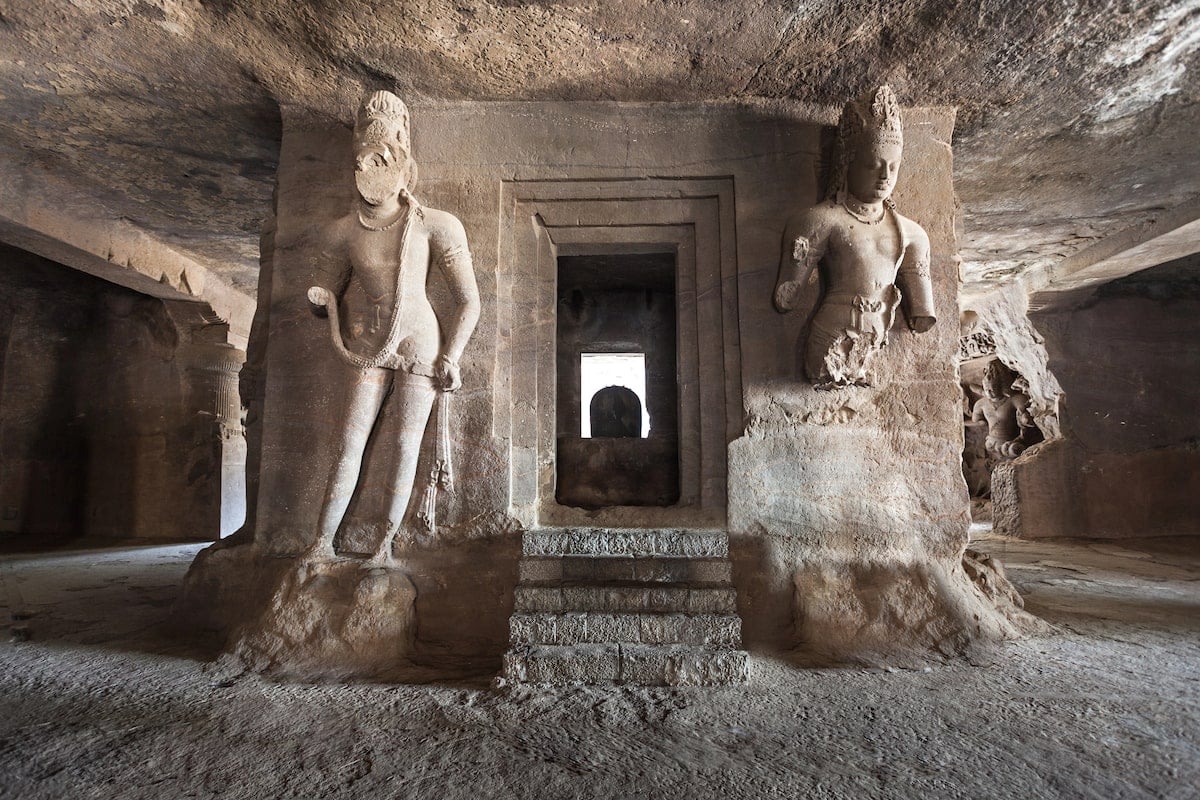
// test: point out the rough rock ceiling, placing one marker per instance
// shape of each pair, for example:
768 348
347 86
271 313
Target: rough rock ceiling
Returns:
1076 119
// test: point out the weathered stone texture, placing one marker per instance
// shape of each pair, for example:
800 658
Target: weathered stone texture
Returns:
1129 465
695 599
608 542
118 413
850 503
311 621
1075 115
638 665
588 627
611 611
682 666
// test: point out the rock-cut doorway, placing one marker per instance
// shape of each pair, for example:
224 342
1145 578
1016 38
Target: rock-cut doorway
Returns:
617 408
686 227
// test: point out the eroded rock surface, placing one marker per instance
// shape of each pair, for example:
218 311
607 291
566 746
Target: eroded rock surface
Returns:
1073 116
1129 464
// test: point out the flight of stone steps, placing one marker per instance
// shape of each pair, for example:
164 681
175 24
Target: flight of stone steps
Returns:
646 607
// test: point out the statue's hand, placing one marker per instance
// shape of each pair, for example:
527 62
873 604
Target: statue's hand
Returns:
449 377
320 298
921 324
787 294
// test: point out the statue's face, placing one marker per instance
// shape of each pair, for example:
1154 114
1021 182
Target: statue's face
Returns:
995 383
378 174
871 176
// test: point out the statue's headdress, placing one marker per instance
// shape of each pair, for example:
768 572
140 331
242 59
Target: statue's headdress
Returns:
873 118
998 378
383 121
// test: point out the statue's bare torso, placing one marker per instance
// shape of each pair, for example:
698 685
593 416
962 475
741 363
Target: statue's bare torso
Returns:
852 257
865 268
370 262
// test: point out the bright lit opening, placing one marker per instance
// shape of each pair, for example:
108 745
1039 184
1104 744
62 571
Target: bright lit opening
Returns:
598 370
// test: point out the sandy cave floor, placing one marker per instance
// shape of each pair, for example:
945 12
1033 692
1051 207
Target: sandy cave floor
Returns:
104 702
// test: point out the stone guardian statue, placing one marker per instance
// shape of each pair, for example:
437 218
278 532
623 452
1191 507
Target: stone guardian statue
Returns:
378 260
870 259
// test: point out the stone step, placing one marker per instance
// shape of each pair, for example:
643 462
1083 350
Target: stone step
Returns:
587 569
605 627
627 542
636 598
643 665
653 607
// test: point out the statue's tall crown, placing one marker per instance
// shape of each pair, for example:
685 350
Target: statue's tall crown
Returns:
880 117
383 120
872 119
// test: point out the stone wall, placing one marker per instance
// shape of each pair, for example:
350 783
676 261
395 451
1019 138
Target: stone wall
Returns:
859 488
849 511
1128 360
102 425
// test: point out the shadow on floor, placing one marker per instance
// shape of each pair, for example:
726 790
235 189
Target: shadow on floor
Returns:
117 597
1074 602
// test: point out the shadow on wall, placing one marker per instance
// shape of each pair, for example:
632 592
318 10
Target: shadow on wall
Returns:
99 425
1128 357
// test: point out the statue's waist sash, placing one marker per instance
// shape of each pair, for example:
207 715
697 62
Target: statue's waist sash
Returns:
409 364
858 313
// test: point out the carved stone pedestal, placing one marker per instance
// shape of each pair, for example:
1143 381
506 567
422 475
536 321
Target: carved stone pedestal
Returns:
307 620
911 611
642 607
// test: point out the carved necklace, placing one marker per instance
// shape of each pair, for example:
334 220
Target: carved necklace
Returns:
862 217
396 329
387 227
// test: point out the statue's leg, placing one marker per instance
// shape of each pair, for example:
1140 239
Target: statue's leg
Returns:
363 403
822 335
393 469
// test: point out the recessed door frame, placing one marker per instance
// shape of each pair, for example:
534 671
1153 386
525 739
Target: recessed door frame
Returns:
542 220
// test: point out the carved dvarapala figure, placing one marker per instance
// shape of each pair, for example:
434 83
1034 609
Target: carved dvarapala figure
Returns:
383 325
870 258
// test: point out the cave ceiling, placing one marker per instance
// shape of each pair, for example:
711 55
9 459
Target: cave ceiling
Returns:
1076 120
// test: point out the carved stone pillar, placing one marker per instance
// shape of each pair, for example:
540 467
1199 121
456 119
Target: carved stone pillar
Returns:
212 371
210 362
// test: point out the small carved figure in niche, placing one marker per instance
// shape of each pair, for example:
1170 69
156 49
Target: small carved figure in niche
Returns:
382 324
977 465
870 259
1005 409
975 338
1031 432
616 412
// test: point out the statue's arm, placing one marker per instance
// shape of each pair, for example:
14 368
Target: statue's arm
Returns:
1022 407
453 256
915 280
803 247
332 273
977 414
